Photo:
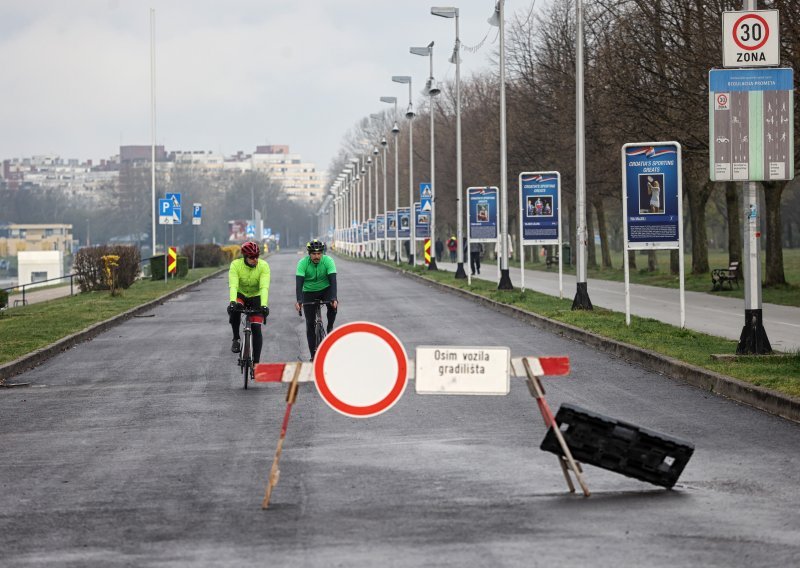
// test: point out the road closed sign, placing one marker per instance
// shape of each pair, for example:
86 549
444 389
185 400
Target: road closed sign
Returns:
463 370
361 369
750 39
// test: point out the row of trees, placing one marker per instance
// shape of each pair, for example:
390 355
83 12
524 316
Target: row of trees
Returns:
646 78
124 211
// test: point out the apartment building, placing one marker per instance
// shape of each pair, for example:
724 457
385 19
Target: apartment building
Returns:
15 237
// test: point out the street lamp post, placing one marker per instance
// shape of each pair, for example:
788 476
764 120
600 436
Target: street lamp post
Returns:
498 19
395 132
385 205
369 201
377 204
412 249
433 90
450 12
581 301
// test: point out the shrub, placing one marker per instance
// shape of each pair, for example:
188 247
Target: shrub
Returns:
231 252
3 298
207 255
90 268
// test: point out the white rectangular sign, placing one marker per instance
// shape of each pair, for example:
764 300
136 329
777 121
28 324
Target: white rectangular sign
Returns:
462 370
750 39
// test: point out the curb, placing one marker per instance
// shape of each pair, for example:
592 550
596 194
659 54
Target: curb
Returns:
36 358
758 397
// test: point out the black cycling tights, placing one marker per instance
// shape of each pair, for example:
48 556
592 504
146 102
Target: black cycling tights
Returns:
310 314
255 328
236 318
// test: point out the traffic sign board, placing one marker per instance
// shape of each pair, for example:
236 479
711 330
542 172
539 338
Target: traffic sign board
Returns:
360 369
750 131
175 198
164 212
462 370
750 39
197 213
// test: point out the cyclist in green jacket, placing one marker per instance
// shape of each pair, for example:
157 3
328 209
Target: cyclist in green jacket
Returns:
315 279
248 282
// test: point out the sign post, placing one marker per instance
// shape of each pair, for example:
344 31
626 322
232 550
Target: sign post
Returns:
652 206
540 212
751 128
197 216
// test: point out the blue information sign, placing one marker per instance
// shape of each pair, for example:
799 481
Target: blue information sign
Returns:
404 222
391 229
541 197
652 190
423 223
364 232
165 212
371 226
380 227
425 196
482 203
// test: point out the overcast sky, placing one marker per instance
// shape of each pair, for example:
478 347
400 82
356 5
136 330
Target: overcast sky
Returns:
230 74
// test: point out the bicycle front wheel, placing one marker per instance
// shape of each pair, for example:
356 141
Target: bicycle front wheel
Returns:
248 359
319 333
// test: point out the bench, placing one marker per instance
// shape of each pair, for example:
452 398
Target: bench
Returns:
719 276
550 260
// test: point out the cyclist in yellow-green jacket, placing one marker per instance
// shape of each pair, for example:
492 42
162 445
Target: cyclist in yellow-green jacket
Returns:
248 281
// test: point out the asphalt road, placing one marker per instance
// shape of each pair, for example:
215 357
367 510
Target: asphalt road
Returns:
140 448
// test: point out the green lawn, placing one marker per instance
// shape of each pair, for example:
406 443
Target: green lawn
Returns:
26 328
788 295
779 373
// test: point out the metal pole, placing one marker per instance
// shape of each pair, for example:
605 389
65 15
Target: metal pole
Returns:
369 201
412 249
194 245
505 279
581 301
385 207
153 123
753 339
396 194
460 273
432 235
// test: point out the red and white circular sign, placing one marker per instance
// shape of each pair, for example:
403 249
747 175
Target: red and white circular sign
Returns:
750 32
361 369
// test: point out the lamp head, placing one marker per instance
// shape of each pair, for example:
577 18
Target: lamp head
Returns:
433 90
494 19
369 159
401 78
426 51
445 12
388 99
395 129
375 151
410 112
383 143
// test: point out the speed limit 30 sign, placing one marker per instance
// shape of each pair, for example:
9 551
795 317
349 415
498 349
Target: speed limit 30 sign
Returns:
750 39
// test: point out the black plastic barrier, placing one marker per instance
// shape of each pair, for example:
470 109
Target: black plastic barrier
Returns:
619 446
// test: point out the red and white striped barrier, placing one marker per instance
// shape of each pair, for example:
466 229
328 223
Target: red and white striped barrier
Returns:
283 372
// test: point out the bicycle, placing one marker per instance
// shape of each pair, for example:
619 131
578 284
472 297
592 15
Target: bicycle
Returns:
319 327
245 361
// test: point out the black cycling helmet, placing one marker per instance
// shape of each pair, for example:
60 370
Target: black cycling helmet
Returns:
315 246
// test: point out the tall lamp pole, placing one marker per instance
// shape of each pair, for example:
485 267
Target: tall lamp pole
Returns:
450 12
581 301
412 249
433 90
498 19
395 132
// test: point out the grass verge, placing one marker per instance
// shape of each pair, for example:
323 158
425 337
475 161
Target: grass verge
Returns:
27 328
779 373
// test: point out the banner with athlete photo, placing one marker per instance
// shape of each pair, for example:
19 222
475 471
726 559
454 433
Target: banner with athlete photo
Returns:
651 184
391 225
422 230
404 222
380 227
540 194
371 225
482 207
